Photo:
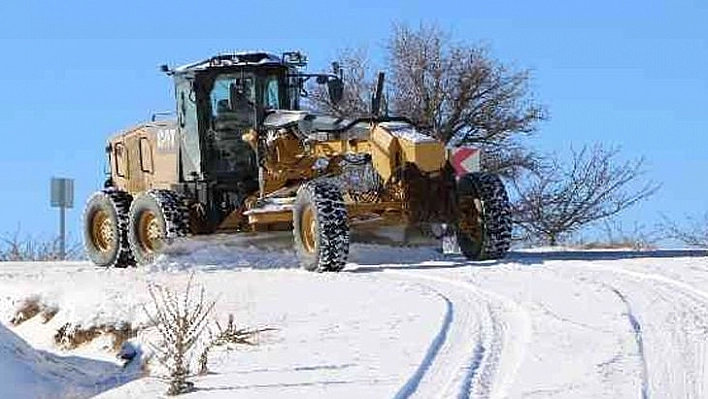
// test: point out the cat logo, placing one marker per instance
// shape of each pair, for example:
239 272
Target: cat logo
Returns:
166 140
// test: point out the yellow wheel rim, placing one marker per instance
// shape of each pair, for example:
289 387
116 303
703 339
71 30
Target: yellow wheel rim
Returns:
308 230
149 232
102 231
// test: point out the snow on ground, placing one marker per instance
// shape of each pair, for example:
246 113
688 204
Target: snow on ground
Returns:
396 322
28 373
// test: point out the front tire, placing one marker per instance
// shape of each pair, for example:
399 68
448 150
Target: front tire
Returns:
484 217
320 227
105 226
156 218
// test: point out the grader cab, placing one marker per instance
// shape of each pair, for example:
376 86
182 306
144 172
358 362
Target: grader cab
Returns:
243 157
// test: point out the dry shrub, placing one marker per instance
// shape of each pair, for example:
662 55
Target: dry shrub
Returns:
228 336
15 248
180 322
615 236
32 307
28 309
48 314
71 336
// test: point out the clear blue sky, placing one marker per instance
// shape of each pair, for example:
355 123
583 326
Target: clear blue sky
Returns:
632 73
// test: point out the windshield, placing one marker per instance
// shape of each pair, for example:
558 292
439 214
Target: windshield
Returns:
232 101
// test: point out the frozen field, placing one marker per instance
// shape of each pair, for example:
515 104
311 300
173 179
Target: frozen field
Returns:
395 323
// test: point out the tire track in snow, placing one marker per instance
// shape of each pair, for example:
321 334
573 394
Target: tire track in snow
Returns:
437 373
476 361
676 287
692 358
654 277
487 368
412 385
638 338
479 380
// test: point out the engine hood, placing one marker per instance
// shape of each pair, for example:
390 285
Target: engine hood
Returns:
309 124
313 122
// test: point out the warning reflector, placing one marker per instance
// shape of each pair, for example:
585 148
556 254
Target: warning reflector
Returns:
465 160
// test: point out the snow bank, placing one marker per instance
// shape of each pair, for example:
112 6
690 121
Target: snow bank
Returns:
28 373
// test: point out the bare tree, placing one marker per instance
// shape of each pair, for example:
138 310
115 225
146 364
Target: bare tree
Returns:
358 85
455 91
560 199
458 91
510 159
180 323
694 232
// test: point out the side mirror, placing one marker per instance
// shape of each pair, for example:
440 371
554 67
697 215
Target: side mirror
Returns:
166 69
335 88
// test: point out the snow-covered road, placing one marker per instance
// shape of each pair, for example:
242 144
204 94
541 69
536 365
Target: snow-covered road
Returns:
397 323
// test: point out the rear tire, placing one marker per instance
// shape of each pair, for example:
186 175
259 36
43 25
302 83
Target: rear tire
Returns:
320 227
484 217
105 225
156 218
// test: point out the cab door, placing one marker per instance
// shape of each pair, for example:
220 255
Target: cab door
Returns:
187 130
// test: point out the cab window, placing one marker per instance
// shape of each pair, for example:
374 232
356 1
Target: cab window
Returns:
271 93
232 101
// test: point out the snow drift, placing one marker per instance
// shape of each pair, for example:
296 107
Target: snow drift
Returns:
30 373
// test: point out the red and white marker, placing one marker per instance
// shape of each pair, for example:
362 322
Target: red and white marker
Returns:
465 160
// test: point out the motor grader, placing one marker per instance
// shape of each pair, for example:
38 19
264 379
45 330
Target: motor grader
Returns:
242 156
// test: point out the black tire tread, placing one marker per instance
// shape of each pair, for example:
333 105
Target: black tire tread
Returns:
172 208
333 226
175 211
120 201
496 215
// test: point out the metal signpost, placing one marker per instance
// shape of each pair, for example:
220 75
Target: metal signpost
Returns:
62 197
